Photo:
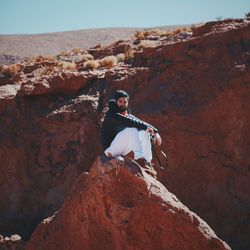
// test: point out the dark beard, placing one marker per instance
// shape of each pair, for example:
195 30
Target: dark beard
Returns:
122 109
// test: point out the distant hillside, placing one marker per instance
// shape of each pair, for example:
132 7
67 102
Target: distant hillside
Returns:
15 47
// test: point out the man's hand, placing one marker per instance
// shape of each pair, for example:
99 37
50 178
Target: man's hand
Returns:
158 139
150 130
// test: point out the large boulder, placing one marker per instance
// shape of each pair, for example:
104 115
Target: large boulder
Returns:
197 93
46 141
111 208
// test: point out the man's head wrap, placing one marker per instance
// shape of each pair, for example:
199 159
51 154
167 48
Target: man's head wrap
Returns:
119 94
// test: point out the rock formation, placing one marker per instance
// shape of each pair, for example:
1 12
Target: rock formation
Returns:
13 242
111 208
192 85
46 142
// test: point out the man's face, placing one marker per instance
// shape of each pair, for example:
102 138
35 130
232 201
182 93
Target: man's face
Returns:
122 103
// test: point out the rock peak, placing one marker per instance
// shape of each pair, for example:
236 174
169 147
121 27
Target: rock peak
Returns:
112 208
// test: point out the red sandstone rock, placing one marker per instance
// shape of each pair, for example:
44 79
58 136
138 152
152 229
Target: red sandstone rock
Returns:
12 243
45 143
110 208
197 93
60 83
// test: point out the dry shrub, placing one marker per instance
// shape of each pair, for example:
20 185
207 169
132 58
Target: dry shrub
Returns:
129 53
88 56
92 64
148 44
218 18
186 29
40 58
108 61
77 51
177 31
67 65
154 32
49 58
168 33
11 70
63 53
48 70
195 26
139 34
83 58
247 15
121 57
229 19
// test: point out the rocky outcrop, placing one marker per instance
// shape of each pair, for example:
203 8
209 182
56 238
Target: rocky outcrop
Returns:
46 142
54 43
13 242
197 93
110 208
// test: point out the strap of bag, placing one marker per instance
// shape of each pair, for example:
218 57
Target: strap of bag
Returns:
162 159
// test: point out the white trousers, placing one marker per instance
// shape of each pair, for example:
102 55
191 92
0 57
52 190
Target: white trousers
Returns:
130 139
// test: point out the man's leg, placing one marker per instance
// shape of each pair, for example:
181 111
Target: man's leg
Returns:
144 137
124 142
145 141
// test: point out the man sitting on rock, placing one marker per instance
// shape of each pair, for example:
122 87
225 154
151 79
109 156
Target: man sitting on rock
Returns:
123 134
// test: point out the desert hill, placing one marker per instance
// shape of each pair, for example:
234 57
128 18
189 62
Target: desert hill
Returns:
13 48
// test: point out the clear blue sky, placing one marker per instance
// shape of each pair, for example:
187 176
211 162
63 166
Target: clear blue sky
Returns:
42 16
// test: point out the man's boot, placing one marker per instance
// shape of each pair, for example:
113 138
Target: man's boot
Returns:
109 155
131 164
129 155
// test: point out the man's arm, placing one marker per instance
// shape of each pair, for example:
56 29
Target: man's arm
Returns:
148 125
130 121
133 121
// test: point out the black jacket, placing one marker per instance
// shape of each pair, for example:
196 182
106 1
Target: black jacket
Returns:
114 122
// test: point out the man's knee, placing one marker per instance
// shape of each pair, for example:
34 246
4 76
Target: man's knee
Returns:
144 135
143 132
130 131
